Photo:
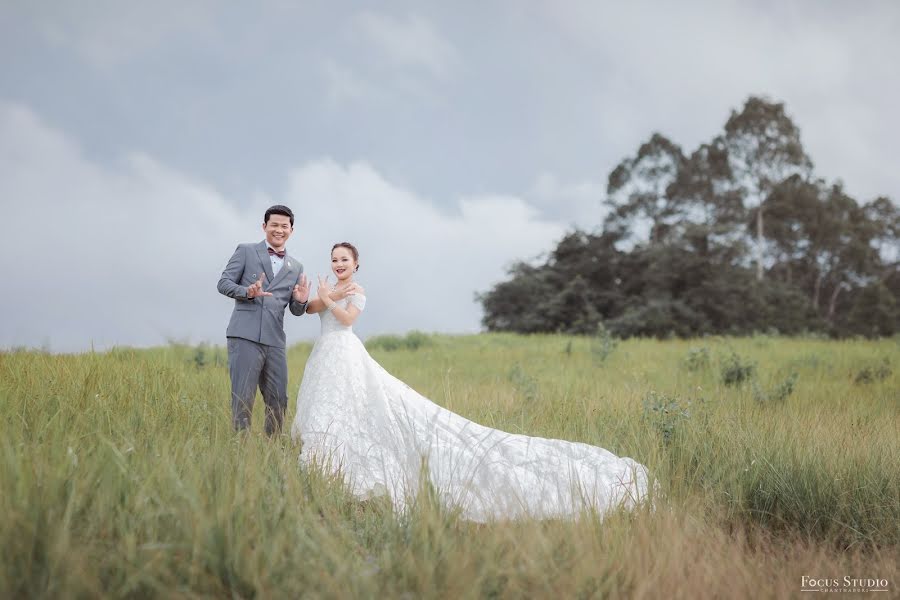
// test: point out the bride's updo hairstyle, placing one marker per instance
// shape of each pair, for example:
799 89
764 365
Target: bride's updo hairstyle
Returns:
352 250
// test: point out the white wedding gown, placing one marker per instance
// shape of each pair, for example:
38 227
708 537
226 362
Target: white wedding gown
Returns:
357 419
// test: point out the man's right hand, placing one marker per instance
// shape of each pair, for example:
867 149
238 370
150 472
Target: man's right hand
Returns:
255 289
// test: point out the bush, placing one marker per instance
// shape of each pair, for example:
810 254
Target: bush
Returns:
779 393
412 341
664 413
385 342
658 318
873 374
523 382
697 359
735 371
602 343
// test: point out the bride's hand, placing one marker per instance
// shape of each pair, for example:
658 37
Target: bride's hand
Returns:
323 289
354 288
350 290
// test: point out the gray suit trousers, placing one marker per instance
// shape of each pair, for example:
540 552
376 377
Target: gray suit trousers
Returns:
255 365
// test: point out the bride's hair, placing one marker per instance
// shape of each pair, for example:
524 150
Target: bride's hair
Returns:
352 250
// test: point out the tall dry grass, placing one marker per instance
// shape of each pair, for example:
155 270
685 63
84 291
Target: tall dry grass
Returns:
120 476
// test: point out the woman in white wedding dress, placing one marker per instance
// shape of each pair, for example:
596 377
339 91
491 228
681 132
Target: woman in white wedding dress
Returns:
355 418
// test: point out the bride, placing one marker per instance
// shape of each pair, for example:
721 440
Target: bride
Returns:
356 419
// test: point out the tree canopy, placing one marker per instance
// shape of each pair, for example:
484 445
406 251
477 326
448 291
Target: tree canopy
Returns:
737 236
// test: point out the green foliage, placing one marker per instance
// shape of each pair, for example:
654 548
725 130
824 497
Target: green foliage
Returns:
779 393
713 218
665 413
874 312
417 339
735 370
526 385
697 359
206 356
602 344
411 341
386 342
871 374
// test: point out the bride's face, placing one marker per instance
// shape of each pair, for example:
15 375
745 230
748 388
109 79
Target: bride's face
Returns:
342 263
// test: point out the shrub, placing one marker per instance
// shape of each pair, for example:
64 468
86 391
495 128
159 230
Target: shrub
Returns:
417 339
697 359
385 342
872 374
779 393
412 341
664 413
523 382
602 343
735 371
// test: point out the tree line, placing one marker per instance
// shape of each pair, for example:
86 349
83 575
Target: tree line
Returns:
738 236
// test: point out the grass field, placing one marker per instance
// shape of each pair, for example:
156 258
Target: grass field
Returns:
777 458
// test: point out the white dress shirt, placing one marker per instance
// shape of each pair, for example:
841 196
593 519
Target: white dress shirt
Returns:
277 262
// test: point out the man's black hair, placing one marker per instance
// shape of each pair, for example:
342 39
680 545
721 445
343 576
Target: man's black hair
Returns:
279 209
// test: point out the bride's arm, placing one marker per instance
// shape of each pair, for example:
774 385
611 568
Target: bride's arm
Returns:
345 315
316 305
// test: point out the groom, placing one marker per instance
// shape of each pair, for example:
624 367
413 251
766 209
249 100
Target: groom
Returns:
263 280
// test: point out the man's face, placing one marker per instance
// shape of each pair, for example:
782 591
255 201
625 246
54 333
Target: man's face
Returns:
278 229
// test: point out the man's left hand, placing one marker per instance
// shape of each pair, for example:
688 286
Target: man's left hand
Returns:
301 290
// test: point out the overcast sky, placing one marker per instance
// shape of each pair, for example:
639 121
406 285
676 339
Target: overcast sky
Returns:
140 142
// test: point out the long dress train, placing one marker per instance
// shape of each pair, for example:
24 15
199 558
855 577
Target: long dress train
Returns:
383 436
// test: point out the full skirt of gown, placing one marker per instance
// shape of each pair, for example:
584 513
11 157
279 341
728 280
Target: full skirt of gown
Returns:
383 437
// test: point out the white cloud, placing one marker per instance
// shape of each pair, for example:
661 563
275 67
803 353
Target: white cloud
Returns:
131 253
343 85
679 69
411 42
579 203
110 255
108 33
420 266
395 59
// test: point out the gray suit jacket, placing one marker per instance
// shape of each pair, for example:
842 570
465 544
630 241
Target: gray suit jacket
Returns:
260 319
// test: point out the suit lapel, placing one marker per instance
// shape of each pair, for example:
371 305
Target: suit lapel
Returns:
266 263
285 268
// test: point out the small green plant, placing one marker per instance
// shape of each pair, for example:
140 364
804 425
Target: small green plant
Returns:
200 360
602 343
779 393
697 359
873 374
665 413
735 371
204 356
523 382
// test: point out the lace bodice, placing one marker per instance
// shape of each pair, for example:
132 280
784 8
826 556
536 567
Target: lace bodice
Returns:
331 324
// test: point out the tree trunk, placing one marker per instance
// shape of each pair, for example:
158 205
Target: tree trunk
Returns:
759 243
816 291
832 303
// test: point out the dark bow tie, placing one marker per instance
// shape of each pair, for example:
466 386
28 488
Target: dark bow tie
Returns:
274 253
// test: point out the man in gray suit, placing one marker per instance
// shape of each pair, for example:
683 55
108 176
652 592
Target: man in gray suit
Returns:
263 279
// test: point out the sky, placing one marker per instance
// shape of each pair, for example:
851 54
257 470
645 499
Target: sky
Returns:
141 142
